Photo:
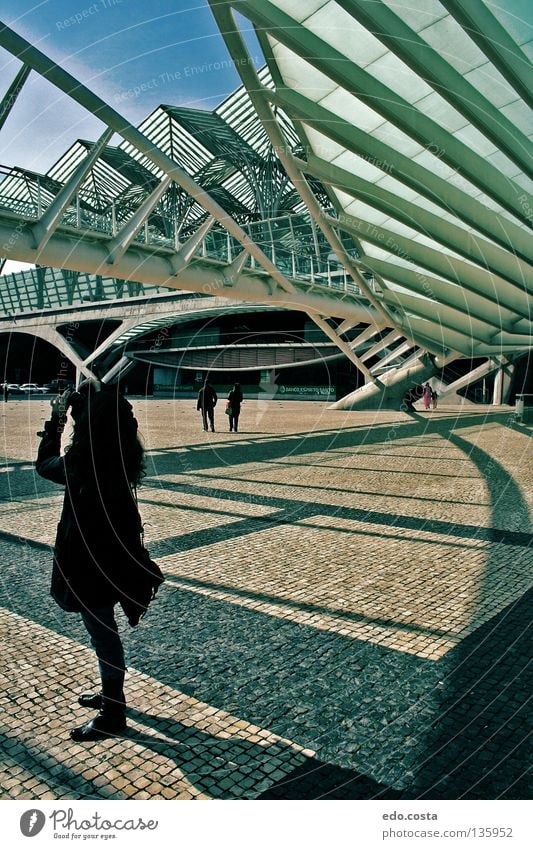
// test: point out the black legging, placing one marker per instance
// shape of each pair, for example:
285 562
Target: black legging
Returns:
208 413
106 641
234 418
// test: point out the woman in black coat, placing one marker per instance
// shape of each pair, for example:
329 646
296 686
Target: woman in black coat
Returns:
235 401
98 550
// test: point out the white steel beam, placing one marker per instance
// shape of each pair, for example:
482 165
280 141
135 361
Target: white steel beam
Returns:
118 370
43 229
18 46
366 334
389 339
239 52
154 268
9 98
232 271
53 337
119 245
511 279
126 325
183 256
484 306
503 231
471 377
341 344
398 165
389 358
454 319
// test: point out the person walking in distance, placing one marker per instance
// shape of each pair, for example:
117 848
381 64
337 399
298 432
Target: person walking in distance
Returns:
235 401
98 551
207 399
426 396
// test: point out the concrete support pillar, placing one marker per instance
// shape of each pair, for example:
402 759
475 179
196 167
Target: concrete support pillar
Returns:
51 335
502 384
388 392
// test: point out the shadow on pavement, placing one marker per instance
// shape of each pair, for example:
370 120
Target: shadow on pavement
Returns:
381 721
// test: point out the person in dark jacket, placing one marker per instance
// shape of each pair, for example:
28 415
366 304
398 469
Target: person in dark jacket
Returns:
98 548
235 401
207 399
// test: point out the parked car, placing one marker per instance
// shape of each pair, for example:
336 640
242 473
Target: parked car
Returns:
14 388
32 389
56 387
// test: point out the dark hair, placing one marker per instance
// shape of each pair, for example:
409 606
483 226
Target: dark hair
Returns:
105 443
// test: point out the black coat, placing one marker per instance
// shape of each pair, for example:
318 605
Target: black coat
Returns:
98 545
235 399
207 398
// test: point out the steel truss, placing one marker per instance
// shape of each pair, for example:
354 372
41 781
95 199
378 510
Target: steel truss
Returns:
436 266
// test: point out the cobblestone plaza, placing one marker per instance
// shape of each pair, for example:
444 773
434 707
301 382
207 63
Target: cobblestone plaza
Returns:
345 613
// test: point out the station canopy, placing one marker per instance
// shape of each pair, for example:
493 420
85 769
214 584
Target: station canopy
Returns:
393 137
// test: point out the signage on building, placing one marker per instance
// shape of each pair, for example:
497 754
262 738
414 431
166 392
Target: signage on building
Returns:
308 391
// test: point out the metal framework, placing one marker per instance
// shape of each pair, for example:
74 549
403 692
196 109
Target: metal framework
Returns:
377 171
428 165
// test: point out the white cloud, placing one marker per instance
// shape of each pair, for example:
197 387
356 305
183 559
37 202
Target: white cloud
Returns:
11 267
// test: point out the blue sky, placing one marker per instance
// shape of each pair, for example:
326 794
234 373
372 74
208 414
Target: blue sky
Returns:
134 54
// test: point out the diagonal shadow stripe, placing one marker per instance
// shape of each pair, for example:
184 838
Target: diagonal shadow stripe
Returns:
293 511
22 540
273 519
281 446
307 607
314 487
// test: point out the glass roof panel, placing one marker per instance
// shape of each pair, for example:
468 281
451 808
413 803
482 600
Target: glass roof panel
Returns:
301 75
513 16
417 15
397 76
476 141
452 43
298 10
362 167
488 80
525 182
351 109
397 140
362 210
527 50
521 117
323 147
334 25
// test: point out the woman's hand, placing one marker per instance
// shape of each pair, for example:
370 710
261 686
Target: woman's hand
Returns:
61 403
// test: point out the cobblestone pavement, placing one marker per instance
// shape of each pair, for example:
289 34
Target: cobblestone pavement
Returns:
345 613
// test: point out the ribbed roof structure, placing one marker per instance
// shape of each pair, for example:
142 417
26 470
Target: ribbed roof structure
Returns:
418 119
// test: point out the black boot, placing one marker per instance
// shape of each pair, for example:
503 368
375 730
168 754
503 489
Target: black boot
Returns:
111 720
94 700
90 700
